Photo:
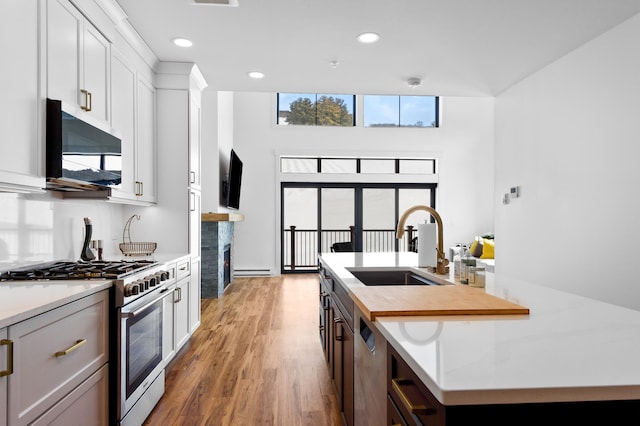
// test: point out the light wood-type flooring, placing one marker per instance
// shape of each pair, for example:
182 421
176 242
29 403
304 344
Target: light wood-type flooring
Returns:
255 360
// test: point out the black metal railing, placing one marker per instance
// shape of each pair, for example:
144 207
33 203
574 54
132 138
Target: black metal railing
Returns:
300 246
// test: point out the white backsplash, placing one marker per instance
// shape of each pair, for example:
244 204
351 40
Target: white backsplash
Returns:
41 228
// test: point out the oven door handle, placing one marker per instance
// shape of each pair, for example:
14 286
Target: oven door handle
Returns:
164 293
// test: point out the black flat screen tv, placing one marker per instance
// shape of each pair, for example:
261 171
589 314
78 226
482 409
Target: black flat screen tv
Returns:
234 181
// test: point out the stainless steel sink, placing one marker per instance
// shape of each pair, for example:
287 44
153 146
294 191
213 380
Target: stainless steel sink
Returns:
389 276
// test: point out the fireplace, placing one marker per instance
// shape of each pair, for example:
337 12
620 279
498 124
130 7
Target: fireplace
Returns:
217 257
227 266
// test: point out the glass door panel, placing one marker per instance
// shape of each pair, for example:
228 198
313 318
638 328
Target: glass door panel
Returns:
409 197
378 219
337 218
300 227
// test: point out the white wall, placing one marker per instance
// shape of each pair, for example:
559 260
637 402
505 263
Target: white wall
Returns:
217 141
463 146
568 135
42 228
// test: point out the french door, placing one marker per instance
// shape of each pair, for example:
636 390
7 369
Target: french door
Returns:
321 217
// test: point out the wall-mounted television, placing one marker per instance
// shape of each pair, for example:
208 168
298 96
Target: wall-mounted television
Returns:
234 181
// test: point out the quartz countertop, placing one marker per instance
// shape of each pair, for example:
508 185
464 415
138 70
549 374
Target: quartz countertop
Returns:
20 300
569 348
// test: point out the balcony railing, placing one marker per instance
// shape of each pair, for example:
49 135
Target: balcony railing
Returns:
301 245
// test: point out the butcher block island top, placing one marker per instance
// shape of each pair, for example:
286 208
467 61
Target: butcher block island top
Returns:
419 300
568 348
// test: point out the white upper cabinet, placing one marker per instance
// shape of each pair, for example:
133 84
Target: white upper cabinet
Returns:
21 162
123 101
195 120
133 116
78 58
146 141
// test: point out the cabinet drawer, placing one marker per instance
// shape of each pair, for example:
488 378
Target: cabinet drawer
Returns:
88 403
411 397
183 268
54 353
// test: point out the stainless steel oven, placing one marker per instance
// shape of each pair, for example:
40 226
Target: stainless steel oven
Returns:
140 364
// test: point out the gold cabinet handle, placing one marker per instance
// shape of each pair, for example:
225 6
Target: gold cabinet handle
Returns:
9 370
88 100
72 348
420 409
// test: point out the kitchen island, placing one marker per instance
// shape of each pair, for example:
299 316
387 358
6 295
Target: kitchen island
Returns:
568 349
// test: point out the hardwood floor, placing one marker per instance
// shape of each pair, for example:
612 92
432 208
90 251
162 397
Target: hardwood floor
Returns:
255 360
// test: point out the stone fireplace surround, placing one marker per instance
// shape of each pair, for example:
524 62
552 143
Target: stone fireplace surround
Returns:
217 234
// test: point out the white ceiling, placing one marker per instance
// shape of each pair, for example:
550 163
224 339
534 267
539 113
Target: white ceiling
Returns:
457 47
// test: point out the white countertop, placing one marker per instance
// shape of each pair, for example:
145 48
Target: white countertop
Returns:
20 300
570 348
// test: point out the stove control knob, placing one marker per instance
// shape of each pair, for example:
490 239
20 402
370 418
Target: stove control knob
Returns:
141 286
153 280
130 289
164 275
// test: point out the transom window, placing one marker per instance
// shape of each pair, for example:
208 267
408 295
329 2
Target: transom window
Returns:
313 109
371 165
401 111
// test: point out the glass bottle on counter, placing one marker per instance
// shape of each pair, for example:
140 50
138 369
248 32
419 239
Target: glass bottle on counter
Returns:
466 263
457 262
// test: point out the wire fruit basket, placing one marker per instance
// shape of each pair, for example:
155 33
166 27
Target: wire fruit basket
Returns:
129 248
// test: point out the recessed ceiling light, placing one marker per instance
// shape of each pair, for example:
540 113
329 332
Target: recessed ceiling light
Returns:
182 42
368 37
255 74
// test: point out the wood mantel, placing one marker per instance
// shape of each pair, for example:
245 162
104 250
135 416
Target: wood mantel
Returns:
222 217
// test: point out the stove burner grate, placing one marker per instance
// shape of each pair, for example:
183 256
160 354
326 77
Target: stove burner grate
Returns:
76 270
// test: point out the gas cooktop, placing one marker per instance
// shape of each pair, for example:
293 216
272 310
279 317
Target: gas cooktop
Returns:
65 270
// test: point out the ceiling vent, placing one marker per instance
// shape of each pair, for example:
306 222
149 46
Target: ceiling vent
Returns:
217 2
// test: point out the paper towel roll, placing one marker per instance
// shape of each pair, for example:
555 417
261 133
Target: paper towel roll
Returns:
427 244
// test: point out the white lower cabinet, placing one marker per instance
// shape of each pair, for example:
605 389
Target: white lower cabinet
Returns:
60 363
168 342
194 296
5 370
181 312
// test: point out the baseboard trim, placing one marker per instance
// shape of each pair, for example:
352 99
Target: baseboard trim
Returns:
252 272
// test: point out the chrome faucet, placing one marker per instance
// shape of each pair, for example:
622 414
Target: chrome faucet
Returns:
441 262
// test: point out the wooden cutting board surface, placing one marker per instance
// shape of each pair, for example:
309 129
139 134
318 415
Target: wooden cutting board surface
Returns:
419 300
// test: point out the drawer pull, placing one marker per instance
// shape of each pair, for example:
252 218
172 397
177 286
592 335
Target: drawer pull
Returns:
9 369
72 348
420 409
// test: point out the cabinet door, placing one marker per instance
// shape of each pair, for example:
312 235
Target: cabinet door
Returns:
19 143
146 141
194 296
194 138
5 354
64 36
78 58
195 220
95 70
181 312
123 83
168 340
